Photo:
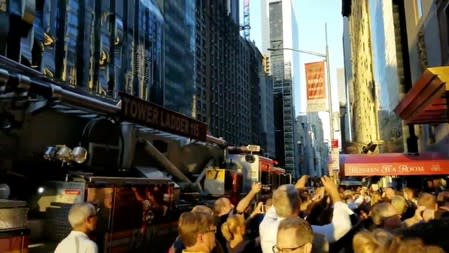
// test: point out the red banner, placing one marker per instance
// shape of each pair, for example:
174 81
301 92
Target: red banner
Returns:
316 90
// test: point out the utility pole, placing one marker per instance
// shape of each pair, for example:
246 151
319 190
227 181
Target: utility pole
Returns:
329 88
328 77
324 55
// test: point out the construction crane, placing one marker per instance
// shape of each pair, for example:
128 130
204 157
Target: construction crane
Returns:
245 27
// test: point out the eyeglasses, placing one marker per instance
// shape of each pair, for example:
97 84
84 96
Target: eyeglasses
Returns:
276 249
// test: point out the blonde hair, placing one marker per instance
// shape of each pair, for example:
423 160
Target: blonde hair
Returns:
399 203
286 200
220 204
191 224
232 226
412 245
202 209
371 242
380 211
427 200
408 191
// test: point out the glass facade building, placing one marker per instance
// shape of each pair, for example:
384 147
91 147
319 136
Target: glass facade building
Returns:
282 23
179 49
104 47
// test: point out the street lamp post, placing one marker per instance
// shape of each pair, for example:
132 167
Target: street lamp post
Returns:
329 96
326 59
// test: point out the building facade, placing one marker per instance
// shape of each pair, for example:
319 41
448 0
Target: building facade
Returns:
222 82
103 47
344 120
409 41
185 55
363 93
282 24
346 111
425 24
386 43
312 150
179 55
267 114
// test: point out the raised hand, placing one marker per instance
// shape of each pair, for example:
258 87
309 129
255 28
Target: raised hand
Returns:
301 183
331 188
256 187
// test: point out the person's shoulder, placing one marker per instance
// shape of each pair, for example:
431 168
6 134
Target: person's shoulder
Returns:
62 242
91 245
266 223
61 247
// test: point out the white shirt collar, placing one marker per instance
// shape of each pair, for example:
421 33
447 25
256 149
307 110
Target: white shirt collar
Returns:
78 233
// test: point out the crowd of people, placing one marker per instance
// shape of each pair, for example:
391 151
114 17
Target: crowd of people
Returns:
297 218
326 218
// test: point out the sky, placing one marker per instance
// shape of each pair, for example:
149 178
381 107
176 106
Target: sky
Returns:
311 17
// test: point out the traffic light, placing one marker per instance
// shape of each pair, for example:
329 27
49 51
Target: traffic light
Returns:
266 64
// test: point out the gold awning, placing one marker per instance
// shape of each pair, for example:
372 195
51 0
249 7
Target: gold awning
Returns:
427 100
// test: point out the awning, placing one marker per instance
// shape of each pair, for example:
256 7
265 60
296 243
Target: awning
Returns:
394 164
426 102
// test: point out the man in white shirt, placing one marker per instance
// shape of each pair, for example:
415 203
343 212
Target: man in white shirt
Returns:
286 204
83 219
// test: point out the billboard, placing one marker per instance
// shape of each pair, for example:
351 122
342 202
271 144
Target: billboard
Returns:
316 89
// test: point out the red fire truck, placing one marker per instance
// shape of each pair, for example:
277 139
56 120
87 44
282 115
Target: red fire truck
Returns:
245 166
140 163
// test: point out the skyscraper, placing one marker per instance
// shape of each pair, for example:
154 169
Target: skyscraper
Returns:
222 82
179 47
282 27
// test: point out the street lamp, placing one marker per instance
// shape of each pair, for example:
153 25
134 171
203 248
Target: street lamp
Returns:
326 59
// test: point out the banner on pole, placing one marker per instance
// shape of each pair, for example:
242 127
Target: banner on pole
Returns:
316 87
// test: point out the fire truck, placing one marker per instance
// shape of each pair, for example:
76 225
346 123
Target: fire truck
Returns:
244 166
139 163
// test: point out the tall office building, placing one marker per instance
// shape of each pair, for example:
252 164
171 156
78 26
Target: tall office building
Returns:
282 31
386 56
363 99
312 150
260 30
223 62
267 114
179 49
104 47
